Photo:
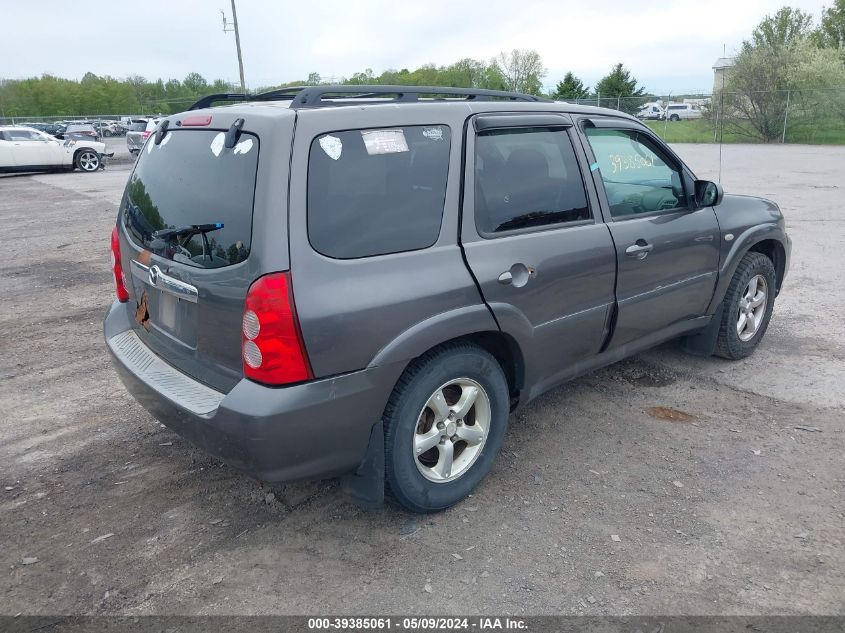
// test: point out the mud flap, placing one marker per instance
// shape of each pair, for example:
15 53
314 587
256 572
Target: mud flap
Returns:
365 485
703 343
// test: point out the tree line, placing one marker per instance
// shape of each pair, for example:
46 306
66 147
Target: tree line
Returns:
519 70
50 96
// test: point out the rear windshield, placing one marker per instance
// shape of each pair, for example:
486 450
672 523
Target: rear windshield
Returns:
377 191
138 126
190 199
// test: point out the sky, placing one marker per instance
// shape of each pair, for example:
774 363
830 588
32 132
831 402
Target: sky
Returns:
669 45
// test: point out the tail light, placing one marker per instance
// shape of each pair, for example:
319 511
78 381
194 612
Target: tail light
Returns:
117 268
147 134
271 342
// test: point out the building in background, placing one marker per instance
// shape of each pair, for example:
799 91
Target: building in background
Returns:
721 70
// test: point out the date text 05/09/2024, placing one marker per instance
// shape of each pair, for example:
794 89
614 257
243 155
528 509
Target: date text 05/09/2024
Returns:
426 623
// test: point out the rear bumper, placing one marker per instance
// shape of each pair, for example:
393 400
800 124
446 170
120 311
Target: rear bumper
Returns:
313 430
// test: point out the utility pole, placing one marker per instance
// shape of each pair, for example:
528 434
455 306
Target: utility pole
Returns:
234 27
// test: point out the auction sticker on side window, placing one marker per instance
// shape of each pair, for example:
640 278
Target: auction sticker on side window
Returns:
384 141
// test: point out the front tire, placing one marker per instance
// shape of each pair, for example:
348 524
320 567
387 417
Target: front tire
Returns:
87 160
443 426
749 302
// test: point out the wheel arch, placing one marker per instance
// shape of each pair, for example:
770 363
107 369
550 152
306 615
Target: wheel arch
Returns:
775 251
766 239
79 150
473 324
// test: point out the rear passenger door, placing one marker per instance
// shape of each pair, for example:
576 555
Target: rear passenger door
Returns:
667 248
534 240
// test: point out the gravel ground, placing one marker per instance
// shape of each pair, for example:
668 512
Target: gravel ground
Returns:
595 505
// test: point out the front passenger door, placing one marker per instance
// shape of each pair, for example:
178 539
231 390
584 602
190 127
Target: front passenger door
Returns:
667 250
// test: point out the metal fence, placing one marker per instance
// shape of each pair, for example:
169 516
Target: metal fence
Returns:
771 116
22 120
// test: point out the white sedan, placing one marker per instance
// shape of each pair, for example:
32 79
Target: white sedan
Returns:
28 149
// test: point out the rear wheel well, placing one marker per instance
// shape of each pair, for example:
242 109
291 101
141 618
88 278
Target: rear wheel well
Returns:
774 251
506 351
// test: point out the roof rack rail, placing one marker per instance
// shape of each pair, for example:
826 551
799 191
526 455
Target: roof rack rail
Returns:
318 96
209 100
280 94
313 96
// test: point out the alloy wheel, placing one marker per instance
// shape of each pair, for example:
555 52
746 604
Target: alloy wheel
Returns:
88 161
752 308
451 430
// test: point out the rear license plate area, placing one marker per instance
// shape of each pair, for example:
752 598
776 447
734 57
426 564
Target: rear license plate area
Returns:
172 316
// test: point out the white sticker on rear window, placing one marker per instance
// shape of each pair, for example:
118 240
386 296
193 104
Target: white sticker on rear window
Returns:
244 146
384 141
332 146
433 133
217 144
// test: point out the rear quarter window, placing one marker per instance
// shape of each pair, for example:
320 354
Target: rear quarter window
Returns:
377 191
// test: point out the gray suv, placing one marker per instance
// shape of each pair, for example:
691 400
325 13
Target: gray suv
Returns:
365 281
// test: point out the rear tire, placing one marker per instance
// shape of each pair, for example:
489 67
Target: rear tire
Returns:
674 117
749 302
443 426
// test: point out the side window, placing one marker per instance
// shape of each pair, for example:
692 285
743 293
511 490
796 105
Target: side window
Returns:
22 135
377 191
638 177
527 177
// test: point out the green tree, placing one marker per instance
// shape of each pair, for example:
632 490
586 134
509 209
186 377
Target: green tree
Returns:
570 88
831 31
619 88
195 84
782 78
521 70
787 28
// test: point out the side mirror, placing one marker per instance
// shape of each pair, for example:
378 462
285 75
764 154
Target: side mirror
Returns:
708 194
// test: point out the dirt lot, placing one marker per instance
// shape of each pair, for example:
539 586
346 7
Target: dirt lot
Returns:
735 511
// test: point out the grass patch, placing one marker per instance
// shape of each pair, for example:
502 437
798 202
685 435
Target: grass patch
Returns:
827 132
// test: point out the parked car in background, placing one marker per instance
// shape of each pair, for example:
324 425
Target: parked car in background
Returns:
81 131
682 111
307 290
54 129
138 132
651 112
110 128
27 149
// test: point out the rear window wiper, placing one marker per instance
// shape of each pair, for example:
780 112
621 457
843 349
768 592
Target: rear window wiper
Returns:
190 229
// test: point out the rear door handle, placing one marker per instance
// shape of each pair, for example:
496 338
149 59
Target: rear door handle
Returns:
517 275
640 249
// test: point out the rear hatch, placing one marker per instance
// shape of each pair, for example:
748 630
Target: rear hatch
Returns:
186 234
135 134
